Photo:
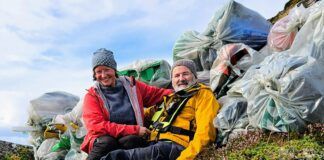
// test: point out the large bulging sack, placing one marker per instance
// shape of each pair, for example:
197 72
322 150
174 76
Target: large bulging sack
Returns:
45 107
235 23
232 61
195 46
283 32
231 119
281 36
152 72
284 92
309 39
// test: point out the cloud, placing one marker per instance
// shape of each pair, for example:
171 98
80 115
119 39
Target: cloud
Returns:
267 9
18 89
160 14
29 28
15 137
13 108
15 49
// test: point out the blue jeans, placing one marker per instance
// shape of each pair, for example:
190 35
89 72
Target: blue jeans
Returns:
160 150
105 144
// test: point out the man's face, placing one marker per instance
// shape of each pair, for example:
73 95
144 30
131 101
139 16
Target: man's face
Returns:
182 78
105 75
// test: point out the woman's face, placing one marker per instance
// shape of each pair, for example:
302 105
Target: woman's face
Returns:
105 75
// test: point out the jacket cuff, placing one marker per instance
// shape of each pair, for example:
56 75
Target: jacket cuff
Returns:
137 129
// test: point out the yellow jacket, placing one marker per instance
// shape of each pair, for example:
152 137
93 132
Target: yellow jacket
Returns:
199 112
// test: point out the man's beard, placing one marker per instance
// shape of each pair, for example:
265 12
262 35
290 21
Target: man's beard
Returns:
189 83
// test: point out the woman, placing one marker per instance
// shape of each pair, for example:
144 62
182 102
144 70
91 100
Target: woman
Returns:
113 108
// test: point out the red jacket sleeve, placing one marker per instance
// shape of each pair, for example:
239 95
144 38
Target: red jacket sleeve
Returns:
151 95
95 117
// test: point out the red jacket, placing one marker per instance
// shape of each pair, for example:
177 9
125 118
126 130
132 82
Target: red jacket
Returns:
96 116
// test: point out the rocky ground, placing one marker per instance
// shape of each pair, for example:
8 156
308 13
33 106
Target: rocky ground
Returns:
11 151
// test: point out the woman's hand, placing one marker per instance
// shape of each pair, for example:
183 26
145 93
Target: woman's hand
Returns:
143 131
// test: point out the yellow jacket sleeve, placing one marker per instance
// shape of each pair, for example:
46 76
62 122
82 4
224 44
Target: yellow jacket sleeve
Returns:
206 110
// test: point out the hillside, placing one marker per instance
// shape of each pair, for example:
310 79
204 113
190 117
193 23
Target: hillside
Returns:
11 151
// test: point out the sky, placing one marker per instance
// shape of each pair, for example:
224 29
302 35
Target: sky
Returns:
46 45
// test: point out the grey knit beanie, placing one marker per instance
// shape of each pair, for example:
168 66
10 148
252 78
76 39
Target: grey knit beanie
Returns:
103 57
187 63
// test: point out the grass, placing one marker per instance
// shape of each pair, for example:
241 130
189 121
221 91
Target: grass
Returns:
260 145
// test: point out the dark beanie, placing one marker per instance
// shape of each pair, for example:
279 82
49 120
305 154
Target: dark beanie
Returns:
187 63
103 57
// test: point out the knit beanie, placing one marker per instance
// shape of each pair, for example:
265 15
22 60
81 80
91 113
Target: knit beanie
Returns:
187 63
103 57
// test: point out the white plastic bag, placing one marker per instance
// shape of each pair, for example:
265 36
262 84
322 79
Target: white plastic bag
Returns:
232 61
44 108
284 92
232 117
283 32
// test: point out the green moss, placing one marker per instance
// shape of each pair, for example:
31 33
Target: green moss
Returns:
22 153
259 145
305 148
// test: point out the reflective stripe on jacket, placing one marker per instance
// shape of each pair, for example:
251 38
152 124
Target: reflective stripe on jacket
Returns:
96 116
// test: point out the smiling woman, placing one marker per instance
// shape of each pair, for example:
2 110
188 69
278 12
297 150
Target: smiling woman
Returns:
113 110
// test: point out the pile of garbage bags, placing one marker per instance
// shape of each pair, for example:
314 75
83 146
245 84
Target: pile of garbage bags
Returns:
284 92
234 23
55 126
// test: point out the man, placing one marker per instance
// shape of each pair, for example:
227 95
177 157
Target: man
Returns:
113 108
183 125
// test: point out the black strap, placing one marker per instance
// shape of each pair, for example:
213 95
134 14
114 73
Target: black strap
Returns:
178 106
178 130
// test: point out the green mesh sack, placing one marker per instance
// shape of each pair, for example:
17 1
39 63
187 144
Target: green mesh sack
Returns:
152 72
